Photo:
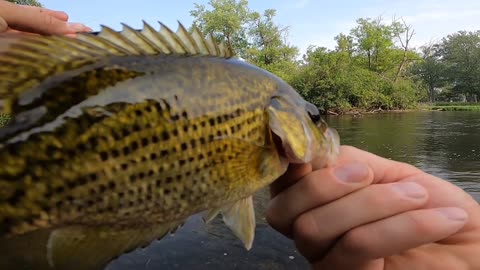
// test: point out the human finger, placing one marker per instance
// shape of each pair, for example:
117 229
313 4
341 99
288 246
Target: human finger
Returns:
392 236
37 20
314 190
54 13
441 193
293 174
384 170
316 230
3 25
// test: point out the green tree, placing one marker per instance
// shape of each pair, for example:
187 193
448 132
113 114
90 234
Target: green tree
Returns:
372 39
431 70
366 70
253 36
227 20
345 44
268 48
315 80
328 80
27 2
461 55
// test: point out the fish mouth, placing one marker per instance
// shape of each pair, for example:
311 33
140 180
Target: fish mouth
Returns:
329 150
278 143
284 151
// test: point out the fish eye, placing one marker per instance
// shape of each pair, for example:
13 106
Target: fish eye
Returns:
313 112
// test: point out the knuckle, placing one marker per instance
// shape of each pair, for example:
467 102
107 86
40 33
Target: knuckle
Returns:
356 241
372 197
313 187
390 200
47 19
3 25
277 218
271 214
305 228
419 225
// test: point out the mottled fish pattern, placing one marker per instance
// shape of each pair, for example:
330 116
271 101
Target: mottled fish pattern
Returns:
116 139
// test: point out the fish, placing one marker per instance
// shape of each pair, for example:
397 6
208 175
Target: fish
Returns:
115 139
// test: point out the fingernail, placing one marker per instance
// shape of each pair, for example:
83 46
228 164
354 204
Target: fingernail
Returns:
78 27
410 189
453 213
351 173
61 15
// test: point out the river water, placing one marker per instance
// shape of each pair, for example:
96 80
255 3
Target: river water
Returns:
446 144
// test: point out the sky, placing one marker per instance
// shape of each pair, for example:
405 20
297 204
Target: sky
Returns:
310 22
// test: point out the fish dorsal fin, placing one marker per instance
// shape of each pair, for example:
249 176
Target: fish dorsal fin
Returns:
149 41
27 60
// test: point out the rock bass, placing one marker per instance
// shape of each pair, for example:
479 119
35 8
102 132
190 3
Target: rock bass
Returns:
116 138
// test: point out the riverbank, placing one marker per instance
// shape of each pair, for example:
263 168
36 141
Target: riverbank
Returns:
470 108
356 111
474 107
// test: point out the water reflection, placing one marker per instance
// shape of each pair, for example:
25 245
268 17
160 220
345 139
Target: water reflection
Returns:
445 144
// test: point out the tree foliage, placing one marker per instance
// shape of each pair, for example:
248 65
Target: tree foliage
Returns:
252 35
366 70
372 67
461 57
372 39
451 68
227 21
268 47
431 70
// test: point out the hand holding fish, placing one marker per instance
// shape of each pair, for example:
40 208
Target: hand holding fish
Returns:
36 20
371 213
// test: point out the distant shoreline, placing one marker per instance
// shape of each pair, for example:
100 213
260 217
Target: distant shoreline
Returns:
421 107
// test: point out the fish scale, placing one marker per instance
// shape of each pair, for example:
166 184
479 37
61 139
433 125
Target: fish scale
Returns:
102 175
116 139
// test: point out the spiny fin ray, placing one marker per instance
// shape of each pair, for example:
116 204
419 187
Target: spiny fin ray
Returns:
172 39
59 54
121 41
201 43
143 44
187 39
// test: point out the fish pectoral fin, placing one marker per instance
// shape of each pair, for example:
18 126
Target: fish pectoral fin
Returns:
210 215
240 218
81 247
246 155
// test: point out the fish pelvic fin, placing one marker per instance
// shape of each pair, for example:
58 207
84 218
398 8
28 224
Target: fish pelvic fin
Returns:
239 217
